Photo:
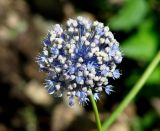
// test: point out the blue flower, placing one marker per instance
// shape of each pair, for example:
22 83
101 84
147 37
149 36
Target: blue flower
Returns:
54 51
108 89
116 74
79 58
51 87
96 96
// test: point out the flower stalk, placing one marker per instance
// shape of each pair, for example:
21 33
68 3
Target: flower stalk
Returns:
98 122
136 88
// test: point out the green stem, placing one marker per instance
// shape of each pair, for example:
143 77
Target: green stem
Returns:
136 88
98 122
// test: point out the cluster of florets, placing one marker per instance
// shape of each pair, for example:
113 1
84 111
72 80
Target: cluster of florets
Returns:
79 57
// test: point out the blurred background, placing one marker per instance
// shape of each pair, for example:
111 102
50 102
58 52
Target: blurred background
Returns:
25 104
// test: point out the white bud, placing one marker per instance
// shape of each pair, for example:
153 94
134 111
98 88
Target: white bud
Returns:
65 66
91 76
100 88
68 46
74 85
96 78
81 82
97 49
105 83
75 23
106 28
60 57
63 60
50 59
90 54
90 82
110 44
99 58
72 41
60 40
102 40
107 41
73 77
103 79
84 89
83 38
107 49
95 23
80 60
59 46
93 44
106 58
57 86
103 67
45 52
70 87
76 30
53 36
68 93
72 46
110 35
97 36
71 29
57 69
89 92
87 34
87 43
100 62
78 64
118 53
86 73
101 25
93 50
69 22
71 51
76 38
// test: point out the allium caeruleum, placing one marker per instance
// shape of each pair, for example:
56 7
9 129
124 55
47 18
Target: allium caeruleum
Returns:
79 57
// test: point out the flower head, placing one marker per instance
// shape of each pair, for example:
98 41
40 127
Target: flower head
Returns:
79 57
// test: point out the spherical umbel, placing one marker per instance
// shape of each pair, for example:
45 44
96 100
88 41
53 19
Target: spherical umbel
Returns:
79 57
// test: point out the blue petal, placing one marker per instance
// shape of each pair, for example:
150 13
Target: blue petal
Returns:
50 85
71 100
55 51
51 90
96 96
81 50
71 69
79 79
99 31
116 74
103 72
82 97
47 41
81 29
108 89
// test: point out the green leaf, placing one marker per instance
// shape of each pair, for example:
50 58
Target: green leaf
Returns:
136 124
152 80
155 77
148 120
130 15
141 46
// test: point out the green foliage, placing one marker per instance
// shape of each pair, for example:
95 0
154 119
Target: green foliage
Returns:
141 46
152 80
130 15
143 123
155 77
